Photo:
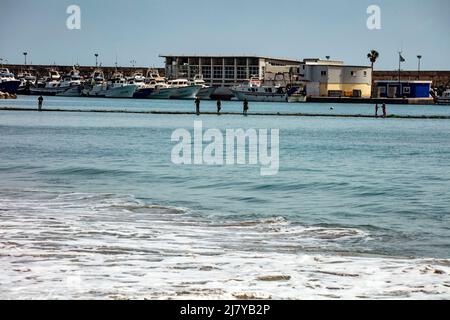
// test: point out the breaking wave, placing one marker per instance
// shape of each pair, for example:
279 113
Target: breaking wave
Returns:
81 245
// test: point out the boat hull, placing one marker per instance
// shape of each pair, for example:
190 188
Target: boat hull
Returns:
71 92
205 93
188 92
163 93
260 96
443 101
143 93
297 98
222 93
10 86
46 91
121 92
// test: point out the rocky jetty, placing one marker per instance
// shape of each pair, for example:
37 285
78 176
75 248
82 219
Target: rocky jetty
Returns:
6 95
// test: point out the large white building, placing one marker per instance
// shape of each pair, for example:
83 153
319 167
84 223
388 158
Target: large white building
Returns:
221 71
321 78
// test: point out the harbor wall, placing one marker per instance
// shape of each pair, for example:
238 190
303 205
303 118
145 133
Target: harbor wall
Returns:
439 78
42 70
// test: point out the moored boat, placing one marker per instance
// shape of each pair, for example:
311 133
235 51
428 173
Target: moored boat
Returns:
96 85
253 90
48 86
205 91
8 83
444 98
118 87
51 88
182 89
71 83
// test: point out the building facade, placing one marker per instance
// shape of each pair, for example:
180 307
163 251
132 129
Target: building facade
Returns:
221 71
321 78
403 89
325 78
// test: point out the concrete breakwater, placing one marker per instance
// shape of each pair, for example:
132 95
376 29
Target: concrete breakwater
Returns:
42 70
280 114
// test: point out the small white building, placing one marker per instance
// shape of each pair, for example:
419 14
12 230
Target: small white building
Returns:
326 78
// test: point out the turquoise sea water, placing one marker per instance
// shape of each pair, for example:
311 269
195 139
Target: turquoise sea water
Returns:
97 194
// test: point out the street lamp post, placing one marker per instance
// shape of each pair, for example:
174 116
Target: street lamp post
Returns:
419 57
96 59
25 55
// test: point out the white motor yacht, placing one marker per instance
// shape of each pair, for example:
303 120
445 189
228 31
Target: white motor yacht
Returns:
71 83
8 83
183 89
96 85
204 91
253 90
50 88
118 87
156 86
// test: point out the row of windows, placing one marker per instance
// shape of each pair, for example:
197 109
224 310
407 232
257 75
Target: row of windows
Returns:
406 90
215 61
352 73
219 72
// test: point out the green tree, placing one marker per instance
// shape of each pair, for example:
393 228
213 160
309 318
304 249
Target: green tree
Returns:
373 56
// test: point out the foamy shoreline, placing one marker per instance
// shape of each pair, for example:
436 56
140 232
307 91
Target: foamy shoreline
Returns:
101 246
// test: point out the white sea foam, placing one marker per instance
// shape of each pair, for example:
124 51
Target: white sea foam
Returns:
55 246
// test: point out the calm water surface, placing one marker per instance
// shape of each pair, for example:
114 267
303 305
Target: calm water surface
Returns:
91 205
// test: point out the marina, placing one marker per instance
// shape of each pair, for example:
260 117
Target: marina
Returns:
255 78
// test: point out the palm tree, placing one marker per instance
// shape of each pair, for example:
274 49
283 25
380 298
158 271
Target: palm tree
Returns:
373 56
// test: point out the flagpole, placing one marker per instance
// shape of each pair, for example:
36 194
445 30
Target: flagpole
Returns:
399 73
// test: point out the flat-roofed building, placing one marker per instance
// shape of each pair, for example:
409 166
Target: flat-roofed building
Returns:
218 70
403 89
326 78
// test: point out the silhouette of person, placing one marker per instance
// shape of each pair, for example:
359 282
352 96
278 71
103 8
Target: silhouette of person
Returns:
376 110
40 101
383 107
219 106
197 106
245 106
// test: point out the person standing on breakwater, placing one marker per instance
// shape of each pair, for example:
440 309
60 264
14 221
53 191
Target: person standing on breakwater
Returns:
376 110
40 101
245 106
197 106
219 106
383 107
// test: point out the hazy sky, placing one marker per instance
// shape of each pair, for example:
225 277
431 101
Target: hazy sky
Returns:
140 30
